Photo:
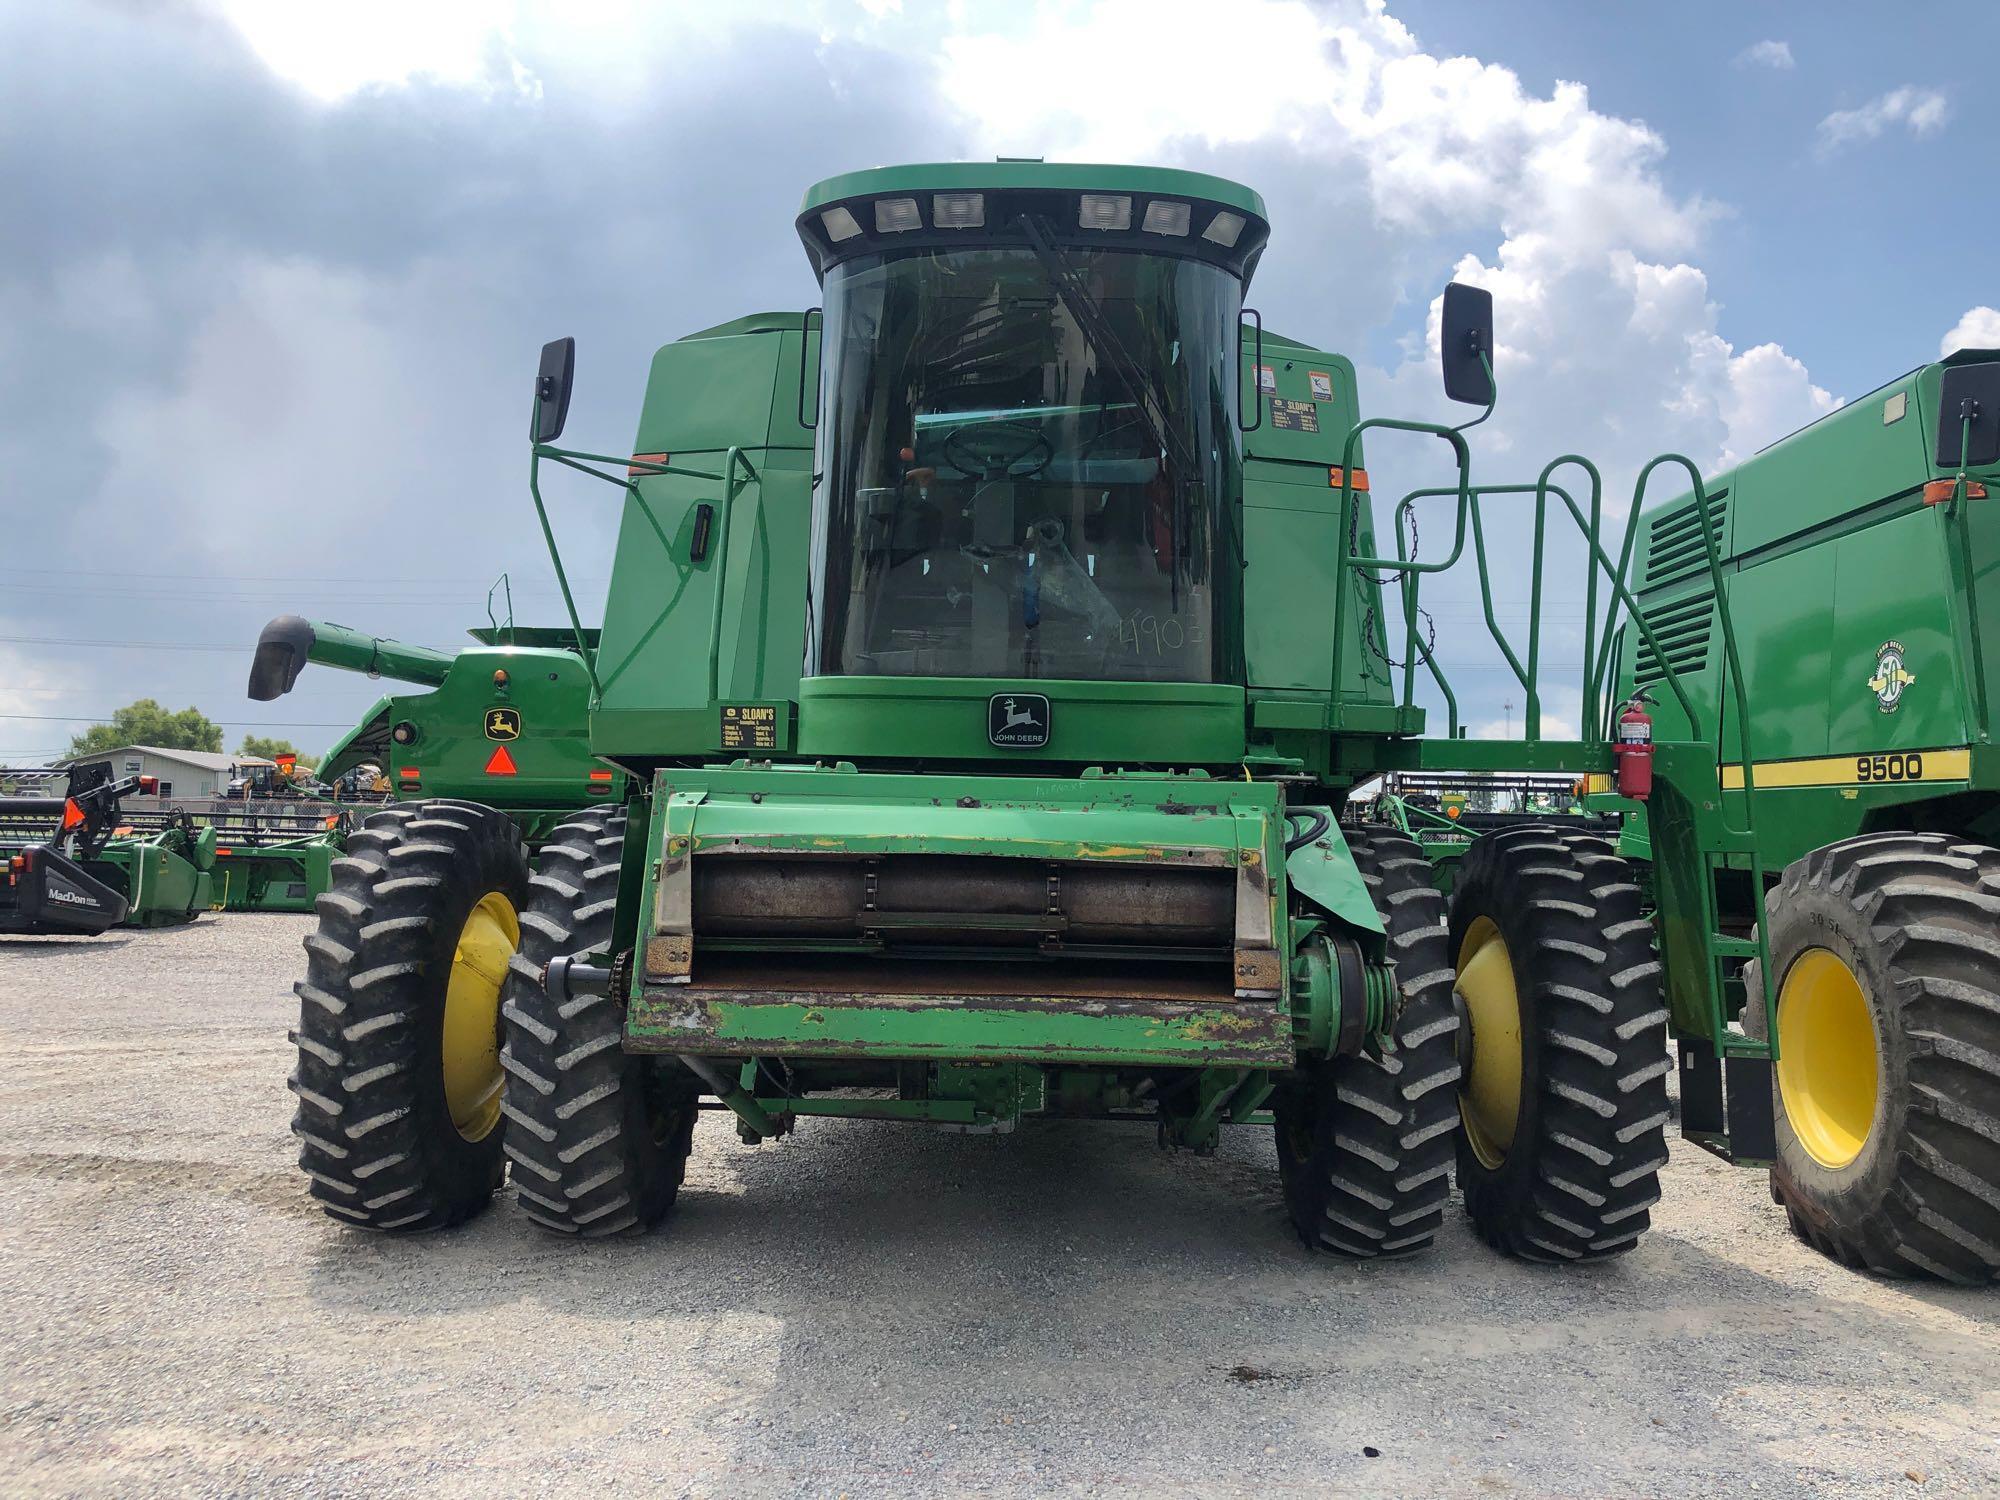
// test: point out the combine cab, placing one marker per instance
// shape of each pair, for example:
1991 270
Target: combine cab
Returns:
991 659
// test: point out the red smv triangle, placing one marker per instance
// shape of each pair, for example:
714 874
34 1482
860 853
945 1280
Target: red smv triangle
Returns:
500 763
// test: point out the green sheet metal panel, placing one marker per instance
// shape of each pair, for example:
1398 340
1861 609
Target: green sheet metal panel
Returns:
735 386
1892 599
946 718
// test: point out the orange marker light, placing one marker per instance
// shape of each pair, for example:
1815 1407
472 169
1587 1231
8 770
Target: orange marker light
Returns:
500 763
600 775
1336 476
1940 491
409 773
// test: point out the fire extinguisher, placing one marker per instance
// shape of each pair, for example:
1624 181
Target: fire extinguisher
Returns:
1634 750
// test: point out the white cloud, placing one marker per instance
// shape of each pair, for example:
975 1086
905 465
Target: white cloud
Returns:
333 50
1561 709
28 695
1440 142
1921 111
1776 55
1978 329
1769 396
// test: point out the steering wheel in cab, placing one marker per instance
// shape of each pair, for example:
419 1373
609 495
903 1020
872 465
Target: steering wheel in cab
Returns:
997 450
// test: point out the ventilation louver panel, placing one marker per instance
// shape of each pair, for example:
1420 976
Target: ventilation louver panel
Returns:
1674 550
1682 628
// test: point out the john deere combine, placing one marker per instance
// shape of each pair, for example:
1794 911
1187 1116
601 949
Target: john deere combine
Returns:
991 657
504 720
1862 566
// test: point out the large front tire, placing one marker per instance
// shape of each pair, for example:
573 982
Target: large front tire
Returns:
598 1139
398 1074
1565 1100
1887 1090
1364 1147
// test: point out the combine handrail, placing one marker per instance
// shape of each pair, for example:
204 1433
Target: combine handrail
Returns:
636 468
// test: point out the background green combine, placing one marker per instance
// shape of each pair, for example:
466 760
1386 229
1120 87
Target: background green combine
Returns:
1865 590
504 721
992 655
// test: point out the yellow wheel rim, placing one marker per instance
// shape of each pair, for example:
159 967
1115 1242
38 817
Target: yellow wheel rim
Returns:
1829 1062
472 1015
1489 1099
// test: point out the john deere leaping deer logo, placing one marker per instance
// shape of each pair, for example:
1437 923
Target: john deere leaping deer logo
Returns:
503 723
1017 721
1890 678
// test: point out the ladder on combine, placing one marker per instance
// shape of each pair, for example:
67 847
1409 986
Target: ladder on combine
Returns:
1697 844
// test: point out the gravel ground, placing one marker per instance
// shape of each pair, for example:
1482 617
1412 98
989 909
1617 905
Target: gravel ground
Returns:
869 1309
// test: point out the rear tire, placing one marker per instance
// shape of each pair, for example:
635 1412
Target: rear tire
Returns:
1566 1096
1892 940
420 905
1364 1150
598 1138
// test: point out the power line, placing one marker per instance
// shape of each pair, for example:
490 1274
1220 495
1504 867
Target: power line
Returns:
95 693
237 649
224 723
368 581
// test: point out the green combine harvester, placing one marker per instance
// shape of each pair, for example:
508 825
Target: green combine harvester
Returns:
504 722
991 656
1861 563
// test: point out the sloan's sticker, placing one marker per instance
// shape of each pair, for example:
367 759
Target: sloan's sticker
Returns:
1294 416
1267 378
749 726
1322 385
1890 678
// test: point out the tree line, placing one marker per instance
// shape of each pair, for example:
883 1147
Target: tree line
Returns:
147 722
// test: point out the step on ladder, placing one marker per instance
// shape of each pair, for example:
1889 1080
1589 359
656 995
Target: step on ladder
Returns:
1725 1084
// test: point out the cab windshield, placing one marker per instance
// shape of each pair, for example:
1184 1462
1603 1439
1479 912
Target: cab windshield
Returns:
1025 465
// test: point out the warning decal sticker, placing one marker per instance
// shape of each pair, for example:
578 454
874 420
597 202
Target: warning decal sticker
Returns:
1322 385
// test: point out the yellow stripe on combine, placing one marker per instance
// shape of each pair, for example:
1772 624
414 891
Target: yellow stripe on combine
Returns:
1877 768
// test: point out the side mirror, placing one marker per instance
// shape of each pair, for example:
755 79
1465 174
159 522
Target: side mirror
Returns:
1466 336
552 388
1969 391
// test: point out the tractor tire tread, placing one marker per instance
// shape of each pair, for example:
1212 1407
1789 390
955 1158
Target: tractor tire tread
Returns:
1930 901
1382 1192
1594 1128
586 1161
367 1120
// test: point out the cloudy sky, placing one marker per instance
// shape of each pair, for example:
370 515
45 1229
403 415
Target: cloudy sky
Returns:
273 273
